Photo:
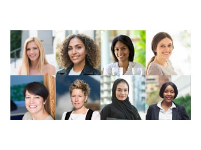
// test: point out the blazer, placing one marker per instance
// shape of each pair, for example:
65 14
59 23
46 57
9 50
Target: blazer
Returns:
88 70
178 113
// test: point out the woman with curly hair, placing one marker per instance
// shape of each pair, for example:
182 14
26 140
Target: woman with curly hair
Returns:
79 55
33 59
79 92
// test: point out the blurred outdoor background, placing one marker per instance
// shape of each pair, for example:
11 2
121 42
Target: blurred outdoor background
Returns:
63 101
137 94
62 34
138 38
183 83
181 54
17 39
17 102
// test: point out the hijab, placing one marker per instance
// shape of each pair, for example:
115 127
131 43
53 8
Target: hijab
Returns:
128 110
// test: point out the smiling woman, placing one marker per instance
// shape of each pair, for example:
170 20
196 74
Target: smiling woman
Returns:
79 55
123 53
167 109
162 46
34 61
36 95
120 108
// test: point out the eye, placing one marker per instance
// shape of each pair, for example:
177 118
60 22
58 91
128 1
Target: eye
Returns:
116 49
162 46
27 97
69 48
79 47
28 49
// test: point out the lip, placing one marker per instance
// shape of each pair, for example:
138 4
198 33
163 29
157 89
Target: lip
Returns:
169 98
121 56
74 57
166 53
32 106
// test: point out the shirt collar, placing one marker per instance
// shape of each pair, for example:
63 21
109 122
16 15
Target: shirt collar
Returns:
159 105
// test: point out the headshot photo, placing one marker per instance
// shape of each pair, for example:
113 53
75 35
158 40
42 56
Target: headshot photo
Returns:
78 97
123 52
78 52
168 97
163 49
33 97
32 52
123 97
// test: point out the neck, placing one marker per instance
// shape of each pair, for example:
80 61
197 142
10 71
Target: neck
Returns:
40 115
161 61
165 105
79 67
124 64
81 110
33 64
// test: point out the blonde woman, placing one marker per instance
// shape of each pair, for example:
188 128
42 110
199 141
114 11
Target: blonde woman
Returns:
33 60
79 92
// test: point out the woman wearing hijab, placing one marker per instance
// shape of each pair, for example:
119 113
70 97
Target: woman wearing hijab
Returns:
120 108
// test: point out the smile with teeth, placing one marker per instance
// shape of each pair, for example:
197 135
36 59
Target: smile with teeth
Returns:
166 53
32 106
75 57
121 56
32 56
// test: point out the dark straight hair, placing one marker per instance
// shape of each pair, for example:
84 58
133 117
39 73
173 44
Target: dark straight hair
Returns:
37 88
127 41
163 87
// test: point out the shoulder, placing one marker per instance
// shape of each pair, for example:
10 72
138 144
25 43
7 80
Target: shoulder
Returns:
61 72
153 106
63 116
27 116
19 70
107 107
136 64
95 115
108 68
49 69
154 69
49 117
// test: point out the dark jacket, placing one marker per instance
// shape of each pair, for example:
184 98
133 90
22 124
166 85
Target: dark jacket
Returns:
88 70
178 113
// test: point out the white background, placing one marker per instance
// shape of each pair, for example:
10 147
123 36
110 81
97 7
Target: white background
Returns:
99 15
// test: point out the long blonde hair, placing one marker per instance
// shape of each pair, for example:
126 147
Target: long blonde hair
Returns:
26 61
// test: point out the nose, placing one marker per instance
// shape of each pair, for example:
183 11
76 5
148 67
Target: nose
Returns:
74 50
31 100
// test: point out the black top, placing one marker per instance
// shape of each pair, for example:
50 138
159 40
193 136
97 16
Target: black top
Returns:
88 70
178 113
119 109
110 112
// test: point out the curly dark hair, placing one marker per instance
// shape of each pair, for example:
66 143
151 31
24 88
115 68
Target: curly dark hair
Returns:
92 49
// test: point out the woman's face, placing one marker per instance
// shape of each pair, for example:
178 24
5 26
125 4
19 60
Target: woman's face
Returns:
122 91
76 51
32 50
34 103
168 93
78 98
164 48
121 51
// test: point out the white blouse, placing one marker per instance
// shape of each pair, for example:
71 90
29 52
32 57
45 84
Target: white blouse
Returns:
95 116
165 115
108 68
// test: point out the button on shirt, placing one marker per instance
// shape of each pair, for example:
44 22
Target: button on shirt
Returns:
165 115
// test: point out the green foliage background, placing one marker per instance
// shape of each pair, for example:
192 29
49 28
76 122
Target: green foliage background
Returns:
15 41
140 46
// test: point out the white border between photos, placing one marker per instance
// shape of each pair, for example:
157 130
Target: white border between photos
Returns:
93 15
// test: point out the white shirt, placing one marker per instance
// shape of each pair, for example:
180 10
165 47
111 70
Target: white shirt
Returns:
165 115
108 68
72 72
95 116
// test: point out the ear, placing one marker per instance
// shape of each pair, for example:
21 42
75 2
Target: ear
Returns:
86 99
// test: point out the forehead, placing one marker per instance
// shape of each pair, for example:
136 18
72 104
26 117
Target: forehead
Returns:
31 44
74 91
122 85
75 41
119 44
169 87
165 41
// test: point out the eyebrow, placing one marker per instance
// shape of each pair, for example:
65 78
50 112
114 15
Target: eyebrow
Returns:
75 45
